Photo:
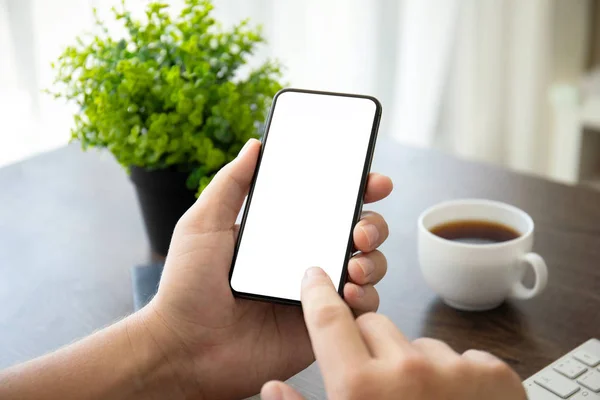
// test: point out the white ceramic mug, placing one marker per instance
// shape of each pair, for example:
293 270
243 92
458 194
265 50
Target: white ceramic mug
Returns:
477 277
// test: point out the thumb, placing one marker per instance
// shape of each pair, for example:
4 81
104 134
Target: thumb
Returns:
276 390
219 204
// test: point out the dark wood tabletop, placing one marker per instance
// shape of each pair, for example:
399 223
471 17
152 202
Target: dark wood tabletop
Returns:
70 229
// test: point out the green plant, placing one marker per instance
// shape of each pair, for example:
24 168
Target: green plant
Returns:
168 93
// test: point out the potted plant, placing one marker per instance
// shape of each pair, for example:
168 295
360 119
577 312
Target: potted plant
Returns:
168 101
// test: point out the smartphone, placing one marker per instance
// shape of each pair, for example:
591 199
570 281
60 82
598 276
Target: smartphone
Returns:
307 193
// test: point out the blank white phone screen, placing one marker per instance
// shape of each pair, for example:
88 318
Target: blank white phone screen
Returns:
301 211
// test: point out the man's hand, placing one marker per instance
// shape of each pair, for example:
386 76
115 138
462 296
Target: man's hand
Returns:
229 347
195 340
369 358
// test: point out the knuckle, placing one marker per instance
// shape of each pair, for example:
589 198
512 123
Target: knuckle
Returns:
500 370
327 314
432 345
414 367
460 368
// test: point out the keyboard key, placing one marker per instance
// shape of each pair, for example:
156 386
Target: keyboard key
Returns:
536 392
583 394
570 368
556 383
591 380
587 358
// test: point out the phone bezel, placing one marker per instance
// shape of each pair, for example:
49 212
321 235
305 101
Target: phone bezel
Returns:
359 200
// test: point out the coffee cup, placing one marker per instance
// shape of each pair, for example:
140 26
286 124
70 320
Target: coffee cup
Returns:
474 253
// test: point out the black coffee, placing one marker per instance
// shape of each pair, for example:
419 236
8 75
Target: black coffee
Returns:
475 232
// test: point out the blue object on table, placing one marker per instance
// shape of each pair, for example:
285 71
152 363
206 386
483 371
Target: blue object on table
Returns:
145 280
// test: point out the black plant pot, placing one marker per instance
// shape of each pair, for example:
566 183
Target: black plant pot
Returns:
163 198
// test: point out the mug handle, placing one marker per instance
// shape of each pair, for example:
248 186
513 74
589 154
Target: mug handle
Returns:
519 291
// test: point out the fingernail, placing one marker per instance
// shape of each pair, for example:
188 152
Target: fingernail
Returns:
360 292
274 394
367 265
246 146
312 273
371 232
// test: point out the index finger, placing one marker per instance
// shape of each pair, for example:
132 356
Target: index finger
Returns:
333 332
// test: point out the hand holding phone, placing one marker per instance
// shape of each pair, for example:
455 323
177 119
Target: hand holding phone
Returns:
307 193
222 337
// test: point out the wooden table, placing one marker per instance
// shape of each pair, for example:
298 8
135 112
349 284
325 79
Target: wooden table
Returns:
70 229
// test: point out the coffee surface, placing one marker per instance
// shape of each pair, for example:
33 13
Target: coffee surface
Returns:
475 232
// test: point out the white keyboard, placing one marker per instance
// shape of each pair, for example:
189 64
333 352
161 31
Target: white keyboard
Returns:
575 376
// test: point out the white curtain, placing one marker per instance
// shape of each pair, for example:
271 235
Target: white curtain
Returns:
474 77
468 76
495 102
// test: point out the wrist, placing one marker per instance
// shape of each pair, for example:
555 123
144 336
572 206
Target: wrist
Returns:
164 364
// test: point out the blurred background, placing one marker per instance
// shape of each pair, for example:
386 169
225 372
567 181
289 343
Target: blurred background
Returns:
503 81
